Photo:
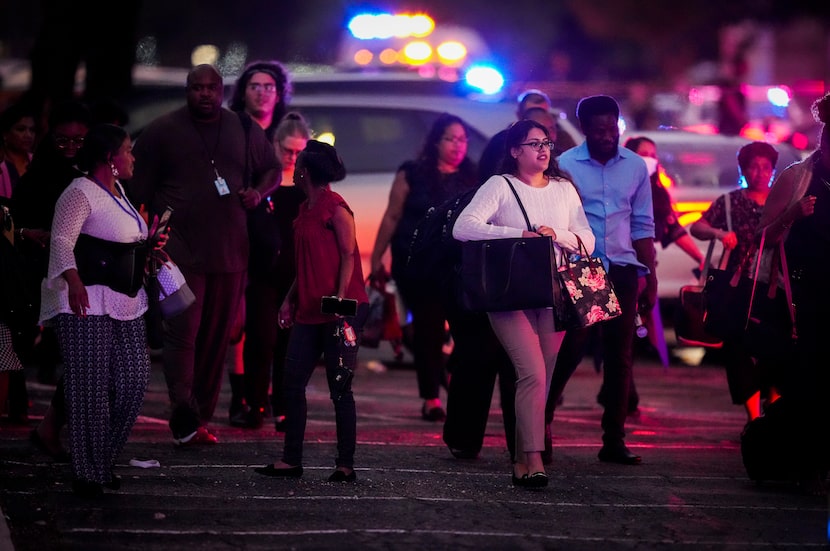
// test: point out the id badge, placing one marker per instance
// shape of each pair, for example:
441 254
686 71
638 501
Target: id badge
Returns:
221 186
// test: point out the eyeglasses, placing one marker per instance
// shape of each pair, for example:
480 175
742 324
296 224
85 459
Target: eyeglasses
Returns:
63 142
539 146
455 141
260 87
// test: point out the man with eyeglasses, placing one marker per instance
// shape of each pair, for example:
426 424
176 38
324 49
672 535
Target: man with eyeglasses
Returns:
263 91
195 160
616 193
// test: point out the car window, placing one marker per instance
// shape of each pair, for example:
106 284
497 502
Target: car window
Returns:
377 140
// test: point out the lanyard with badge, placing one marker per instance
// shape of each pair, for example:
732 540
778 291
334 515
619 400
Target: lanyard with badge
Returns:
220 183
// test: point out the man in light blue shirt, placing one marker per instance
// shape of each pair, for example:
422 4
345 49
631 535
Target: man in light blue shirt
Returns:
616 195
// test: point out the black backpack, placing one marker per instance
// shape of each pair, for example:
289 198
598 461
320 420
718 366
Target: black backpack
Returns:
433 253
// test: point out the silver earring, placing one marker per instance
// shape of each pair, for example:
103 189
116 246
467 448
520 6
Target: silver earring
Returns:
114 170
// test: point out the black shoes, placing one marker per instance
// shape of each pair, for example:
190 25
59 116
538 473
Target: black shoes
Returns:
619 454
114 483
533 481
461 453
435 414
288 472
87 489
340 476
248 419
279 423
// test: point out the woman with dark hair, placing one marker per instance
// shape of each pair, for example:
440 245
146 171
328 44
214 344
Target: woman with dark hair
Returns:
328 266
263 91
529 336
17 141
266 343
441 171
98 313
735 224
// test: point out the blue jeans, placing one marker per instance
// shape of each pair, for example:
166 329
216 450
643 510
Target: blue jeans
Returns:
307 343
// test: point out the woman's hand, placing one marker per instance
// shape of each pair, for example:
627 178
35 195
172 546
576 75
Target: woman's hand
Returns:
729 240
546 231
286 315
78 298
160 239
41 237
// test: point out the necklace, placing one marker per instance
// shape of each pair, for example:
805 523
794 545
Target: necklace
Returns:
130 211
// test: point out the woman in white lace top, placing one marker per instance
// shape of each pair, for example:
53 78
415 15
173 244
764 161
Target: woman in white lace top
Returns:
99 321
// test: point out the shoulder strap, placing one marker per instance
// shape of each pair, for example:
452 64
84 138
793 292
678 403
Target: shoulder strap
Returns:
521 206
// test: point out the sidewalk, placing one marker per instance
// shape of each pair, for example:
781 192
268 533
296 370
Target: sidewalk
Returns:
690 492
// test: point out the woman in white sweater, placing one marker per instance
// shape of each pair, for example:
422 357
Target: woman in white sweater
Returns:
529 337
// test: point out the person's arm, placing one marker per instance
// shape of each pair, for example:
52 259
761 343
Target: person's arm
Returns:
686 243
391 218
286 311
704 231
644 248
344 231
267 182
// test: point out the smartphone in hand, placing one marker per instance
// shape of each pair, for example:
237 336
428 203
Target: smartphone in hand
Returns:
338 306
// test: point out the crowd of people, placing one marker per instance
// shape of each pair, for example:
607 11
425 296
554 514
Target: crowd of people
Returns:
269 249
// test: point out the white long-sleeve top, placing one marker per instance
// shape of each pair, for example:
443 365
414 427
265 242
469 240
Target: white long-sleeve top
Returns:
494 213
86 207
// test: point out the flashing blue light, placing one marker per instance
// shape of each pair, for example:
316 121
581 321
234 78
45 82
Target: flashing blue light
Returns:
484 78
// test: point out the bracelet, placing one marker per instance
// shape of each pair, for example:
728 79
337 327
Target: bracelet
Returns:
20 234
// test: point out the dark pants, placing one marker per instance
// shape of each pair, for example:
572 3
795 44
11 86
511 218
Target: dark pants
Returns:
617 340
266 345
307 343
195 343
477 359
428 336
805 383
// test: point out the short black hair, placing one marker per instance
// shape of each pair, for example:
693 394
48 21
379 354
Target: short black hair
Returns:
323 163
596 105
756 149
101 142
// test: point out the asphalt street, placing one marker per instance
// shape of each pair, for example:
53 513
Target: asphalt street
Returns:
690 492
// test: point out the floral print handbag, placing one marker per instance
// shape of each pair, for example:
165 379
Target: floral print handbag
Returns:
586 292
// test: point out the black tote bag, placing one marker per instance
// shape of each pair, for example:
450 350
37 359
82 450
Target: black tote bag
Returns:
505 274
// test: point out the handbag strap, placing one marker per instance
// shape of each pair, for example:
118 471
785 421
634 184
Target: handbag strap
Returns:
724 257
518 200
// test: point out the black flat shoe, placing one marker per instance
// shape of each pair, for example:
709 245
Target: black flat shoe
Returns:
59 456
461 453
433 414
619 454
87 489
279 423
340 476
535 480
289 472
114 483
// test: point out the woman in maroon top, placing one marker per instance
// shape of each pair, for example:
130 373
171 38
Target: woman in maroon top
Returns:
328 265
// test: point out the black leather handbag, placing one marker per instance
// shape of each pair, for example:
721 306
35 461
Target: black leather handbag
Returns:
508 274
119 266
